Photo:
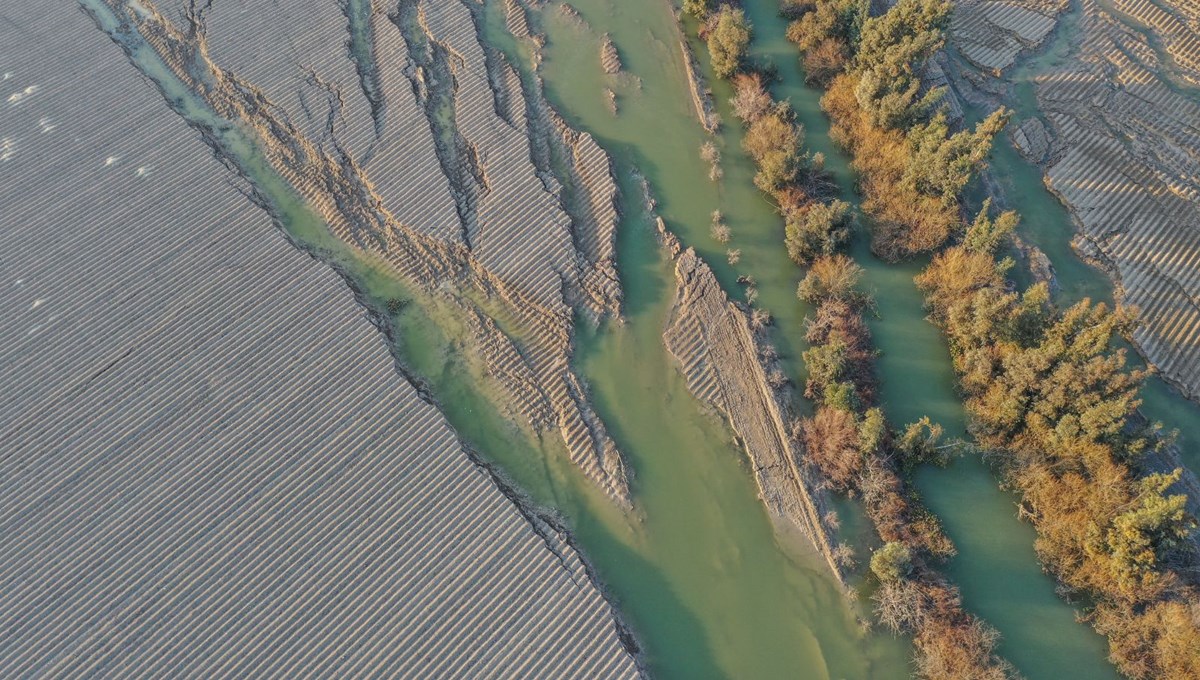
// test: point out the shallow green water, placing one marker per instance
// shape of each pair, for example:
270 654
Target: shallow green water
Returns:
1046 223
698 570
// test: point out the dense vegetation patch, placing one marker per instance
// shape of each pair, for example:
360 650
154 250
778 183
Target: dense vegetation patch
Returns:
1048 396
848 438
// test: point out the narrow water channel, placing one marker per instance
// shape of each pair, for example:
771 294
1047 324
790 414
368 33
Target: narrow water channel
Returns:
996 566
697 570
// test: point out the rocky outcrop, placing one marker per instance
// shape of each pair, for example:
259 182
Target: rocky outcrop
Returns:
211 464
722 361
444 174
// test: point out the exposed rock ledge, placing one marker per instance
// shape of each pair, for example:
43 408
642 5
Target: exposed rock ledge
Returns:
719 356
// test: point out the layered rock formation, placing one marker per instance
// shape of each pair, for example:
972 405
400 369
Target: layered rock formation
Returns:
722 361
212 466
422 147
1117 132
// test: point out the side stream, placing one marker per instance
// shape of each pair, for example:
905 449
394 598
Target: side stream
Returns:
996 568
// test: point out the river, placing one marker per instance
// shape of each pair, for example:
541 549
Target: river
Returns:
697 570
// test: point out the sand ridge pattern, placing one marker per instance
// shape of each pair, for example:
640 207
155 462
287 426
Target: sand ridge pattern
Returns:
720 357
437 173
212 467
1118 137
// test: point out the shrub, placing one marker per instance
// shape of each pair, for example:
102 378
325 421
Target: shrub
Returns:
832 278
831 443
751 99
697 8
818 231
892 562
774 140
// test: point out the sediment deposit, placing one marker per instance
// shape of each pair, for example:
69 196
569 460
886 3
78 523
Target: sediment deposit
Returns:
722 360
212 466
424 148
1117 132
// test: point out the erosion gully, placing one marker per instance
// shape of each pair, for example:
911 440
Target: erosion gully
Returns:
697 571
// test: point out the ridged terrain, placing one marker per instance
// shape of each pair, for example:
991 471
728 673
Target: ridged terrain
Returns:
1125 158
211 466
990 33
426 149
720 358
1120 145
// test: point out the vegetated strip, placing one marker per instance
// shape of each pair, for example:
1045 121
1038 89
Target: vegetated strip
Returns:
848 439
1048 397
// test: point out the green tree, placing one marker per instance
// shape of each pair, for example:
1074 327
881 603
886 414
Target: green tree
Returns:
728 41
1142 535
985 234
892 49
941 164
697 8
774 141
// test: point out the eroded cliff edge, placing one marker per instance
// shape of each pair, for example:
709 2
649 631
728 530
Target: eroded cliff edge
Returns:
424 149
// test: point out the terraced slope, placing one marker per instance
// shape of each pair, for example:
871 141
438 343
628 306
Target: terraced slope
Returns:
419 145
1117 132
992 33
210 464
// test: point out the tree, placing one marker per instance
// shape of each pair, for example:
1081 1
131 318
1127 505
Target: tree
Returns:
872 431
892 49
941 164
838 21
697 8
919 443
728 41
985 234
826 365
1143 534
892 562
774 141
818 231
